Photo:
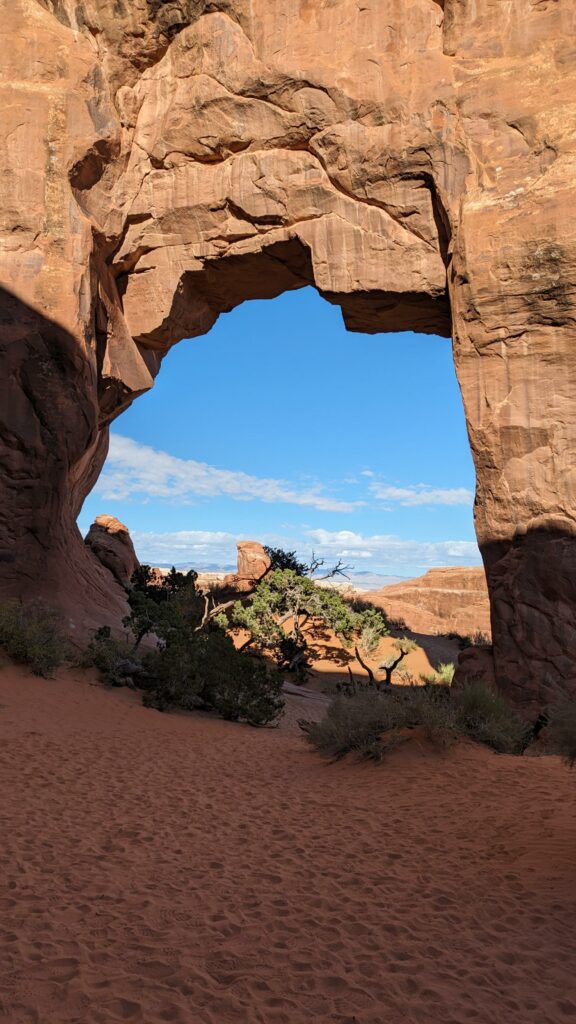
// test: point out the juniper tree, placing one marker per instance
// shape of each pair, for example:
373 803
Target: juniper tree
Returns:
282 604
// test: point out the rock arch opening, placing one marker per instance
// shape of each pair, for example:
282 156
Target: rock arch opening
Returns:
279 415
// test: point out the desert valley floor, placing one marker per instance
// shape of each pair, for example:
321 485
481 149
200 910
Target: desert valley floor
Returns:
177 868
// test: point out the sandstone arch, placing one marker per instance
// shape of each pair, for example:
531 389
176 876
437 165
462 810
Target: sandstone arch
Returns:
414 159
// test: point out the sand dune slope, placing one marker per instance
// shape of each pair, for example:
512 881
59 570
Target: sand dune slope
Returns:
161 868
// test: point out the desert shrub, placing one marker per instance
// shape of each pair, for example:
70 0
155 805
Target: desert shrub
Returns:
204 670
32 635
172 674
193 663
397 625
477 639
443 676
353 725
373 627
368 723
250 691
406 678
486 717
114 658
561 733
280 559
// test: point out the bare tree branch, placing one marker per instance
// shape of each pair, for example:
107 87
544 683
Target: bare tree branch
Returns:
340 569
365 666
388 669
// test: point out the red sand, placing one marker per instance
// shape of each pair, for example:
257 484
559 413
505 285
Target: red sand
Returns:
175 868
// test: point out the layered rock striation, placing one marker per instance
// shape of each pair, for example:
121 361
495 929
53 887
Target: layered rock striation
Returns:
164 161
453 600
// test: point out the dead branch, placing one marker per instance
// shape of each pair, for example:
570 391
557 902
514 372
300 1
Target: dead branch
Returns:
388 669
365 667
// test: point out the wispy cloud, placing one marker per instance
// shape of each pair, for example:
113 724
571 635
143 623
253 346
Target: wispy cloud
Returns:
387 551
380 552
422 494
136 469
198 548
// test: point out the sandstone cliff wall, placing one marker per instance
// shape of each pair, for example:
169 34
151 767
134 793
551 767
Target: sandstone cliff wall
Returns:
413 159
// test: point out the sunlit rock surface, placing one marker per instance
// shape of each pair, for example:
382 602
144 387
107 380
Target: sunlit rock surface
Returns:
253 564
451 600
415 161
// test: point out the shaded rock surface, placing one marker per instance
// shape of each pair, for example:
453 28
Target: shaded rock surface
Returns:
163 162
453 600
110 541
476 665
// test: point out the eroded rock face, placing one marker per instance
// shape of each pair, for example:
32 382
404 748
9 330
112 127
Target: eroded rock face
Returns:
253 563
414 161
451 600
110 541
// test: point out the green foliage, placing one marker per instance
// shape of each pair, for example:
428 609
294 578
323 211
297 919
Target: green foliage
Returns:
286 598
561 733
246 688
445 673
443 676
403 646
204 670
373 627
158 605
486 717
259 615
368 723
114 658
194 663
32 635
281 559
161 588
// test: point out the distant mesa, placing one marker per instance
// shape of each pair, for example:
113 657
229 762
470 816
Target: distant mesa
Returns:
358 582
452 600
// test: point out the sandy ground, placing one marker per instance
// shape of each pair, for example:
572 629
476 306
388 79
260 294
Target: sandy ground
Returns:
175 868
329 658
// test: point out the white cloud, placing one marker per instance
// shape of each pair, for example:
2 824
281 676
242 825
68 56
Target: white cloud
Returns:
387 551
380 552
136 469
186 547
422 494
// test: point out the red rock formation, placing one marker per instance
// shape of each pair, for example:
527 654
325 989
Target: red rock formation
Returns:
253 563
451 600
163 162
110 541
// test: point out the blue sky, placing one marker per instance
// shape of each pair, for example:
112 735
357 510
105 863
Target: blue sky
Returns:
281 426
